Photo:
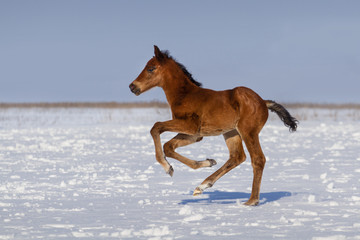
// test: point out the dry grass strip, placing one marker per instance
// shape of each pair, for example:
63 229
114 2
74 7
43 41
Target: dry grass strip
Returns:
156 104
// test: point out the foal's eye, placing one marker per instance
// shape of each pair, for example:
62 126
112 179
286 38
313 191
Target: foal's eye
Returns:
151 69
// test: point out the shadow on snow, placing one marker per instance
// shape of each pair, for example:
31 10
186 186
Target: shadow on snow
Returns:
220 197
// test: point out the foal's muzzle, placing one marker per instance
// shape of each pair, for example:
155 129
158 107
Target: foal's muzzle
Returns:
134 89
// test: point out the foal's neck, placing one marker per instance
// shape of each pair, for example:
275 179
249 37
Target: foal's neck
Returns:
177 86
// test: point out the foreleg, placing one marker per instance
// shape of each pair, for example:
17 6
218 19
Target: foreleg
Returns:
180 126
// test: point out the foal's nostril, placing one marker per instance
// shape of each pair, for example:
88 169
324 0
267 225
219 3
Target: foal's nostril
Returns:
134 89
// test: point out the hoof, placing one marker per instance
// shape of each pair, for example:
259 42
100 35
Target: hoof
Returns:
170 171
252 203
197 191
212 162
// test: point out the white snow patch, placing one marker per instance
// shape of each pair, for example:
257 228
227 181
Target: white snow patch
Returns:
195 217
2 204
306 177
305 213
154 232
336 146
330 186
333 237
64 226
323 176
186 210
126 233
300 160
311 199
355 198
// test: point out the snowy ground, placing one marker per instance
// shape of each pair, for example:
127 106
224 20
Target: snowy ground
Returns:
92 174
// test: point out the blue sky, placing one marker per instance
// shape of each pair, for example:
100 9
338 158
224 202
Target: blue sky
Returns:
85 50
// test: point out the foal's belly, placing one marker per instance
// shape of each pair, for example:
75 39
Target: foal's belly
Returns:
217 123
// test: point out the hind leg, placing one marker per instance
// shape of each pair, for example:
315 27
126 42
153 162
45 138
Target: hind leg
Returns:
237 156
258 163
181 140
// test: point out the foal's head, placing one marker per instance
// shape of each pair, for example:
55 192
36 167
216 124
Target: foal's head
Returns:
155 70
152 75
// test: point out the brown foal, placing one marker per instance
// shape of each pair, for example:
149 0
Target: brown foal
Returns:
238 114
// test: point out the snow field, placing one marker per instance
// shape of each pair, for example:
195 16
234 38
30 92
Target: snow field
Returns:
92 174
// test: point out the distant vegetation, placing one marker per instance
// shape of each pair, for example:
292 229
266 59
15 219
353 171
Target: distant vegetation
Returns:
155 104
301 111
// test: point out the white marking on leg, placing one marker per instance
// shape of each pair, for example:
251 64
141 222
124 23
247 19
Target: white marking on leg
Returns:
199 189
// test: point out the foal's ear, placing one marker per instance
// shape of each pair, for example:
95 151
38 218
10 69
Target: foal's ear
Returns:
158 54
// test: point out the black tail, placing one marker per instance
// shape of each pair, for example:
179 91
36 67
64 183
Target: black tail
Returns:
283 114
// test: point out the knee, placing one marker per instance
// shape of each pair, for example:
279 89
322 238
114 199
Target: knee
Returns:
238 157
258 162
156 129
242 158
168 149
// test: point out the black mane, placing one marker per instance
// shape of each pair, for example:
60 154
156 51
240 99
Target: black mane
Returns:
183 68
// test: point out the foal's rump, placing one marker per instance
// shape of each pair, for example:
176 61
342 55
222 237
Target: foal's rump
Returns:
252 104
